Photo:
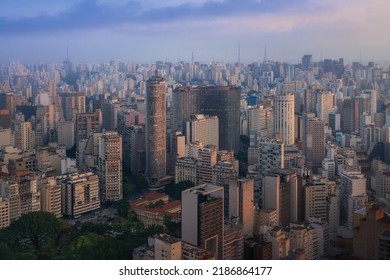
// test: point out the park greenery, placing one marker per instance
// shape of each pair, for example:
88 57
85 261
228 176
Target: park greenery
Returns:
40 235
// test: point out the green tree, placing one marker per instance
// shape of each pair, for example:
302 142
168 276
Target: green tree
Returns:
123 208
35 228
174 190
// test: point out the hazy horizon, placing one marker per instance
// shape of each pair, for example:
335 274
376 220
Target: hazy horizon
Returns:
147 31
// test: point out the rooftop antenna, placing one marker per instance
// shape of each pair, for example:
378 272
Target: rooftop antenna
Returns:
239 52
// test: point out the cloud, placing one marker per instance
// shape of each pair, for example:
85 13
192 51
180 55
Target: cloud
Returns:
91 14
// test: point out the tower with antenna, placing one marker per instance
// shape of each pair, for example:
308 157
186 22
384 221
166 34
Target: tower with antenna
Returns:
239 52
265 53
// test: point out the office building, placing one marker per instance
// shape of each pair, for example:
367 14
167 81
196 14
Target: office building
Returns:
271 155
66 134
384 245
24 137
353 195
185 170
368 238
281 193
110 113
260 123
184 105
207 158
51 196
79 194
72 103
323 234
304 239
110 166
204 129
316 193
87 124
313 142
176 149
5 219
382 185
284 117
325 105
203 219
223 102
241 203
233 242
306 61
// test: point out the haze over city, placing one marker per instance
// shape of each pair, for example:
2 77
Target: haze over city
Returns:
146 31
195 130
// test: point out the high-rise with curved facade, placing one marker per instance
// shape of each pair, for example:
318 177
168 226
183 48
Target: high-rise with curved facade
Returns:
155 130
284 117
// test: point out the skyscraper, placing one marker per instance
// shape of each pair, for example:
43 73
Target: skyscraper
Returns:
241 203
281 194
284 117
220 101
203 129
325 105
223 102
353 195
110 166
24 136
306 61
260 123
184 104
313 141
202 218
155 131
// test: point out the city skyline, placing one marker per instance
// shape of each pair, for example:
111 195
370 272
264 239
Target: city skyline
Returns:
147 31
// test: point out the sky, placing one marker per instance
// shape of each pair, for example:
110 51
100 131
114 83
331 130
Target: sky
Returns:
143 31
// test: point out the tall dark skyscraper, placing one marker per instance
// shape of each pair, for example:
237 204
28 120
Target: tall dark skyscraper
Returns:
185 104
306 61
223 102
313 141
155 131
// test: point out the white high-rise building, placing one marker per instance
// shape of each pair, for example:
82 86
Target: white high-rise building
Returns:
353 195
284 117
201 128
260 123
271 155
325 106
24 137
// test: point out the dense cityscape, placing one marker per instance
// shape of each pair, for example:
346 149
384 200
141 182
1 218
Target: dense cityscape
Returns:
191 160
